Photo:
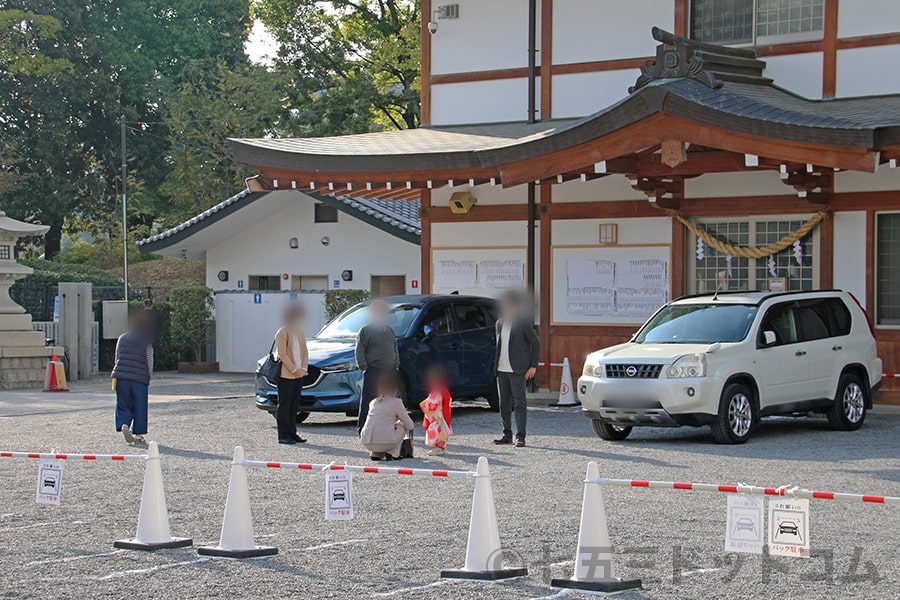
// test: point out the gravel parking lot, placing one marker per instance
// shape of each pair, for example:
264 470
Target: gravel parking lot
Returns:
407 529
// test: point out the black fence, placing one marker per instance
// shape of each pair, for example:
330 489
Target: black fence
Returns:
39 300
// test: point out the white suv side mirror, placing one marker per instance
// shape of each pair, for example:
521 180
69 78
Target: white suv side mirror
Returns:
769 338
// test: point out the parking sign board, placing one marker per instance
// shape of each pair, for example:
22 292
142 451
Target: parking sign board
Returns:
339 496
49 485
745 529
789 527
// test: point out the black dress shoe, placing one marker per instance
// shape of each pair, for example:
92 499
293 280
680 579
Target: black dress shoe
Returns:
299 439
290 441
504 441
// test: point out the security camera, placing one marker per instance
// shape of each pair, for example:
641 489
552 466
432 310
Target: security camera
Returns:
432 27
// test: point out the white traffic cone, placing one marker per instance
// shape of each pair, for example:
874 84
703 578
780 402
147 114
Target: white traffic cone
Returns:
593 558
236 540
484 557
153 521
566 389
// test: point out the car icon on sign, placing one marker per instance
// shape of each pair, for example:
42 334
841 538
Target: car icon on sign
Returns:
339 495
744 524
50 482
789 527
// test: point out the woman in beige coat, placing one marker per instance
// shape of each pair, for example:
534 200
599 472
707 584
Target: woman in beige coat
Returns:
387 421
290 347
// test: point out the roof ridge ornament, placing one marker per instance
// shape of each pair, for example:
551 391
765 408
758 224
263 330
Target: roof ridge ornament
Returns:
682 58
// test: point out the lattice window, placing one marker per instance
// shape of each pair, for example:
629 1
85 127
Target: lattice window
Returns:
735 22
887 286
800 269
5 252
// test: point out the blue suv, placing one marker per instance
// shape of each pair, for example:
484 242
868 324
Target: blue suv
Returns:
454 331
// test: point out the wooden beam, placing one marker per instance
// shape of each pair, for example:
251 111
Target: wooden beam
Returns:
595 66
679 249
487 212
546 59
829 49
474 76
826 254
425 76
397 178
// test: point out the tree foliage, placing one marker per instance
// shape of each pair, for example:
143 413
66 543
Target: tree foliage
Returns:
191 312
178 72
355 62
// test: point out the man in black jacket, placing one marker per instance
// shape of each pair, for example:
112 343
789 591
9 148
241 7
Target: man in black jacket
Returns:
516 360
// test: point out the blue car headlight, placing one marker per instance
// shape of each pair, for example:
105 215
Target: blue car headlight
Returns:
340 368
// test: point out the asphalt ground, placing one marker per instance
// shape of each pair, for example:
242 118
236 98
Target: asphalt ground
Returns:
407 529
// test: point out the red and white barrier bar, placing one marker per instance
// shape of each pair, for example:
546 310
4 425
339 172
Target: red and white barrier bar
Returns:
890 374
60 456
550 364
753 490
357 469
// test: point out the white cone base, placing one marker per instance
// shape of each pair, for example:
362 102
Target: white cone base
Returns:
601 586
240 553
492 575
151 546
558 405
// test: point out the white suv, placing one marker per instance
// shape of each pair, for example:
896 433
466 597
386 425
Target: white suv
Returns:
728 359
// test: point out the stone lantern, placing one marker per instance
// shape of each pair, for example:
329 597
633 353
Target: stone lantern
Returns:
23 352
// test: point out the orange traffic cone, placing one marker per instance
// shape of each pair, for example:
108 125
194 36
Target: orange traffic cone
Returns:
55 376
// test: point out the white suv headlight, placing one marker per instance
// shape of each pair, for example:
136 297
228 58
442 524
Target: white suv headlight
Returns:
690 365
592 368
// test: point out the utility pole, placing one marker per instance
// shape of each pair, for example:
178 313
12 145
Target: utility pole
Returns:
125 207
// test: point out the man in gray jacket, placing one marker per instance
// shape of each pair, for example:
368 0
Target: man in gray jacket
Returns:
376 352
517 356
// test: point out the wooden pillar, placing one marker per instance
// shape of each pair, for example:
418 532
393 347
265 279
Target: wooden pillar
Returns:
678 273
546 60
829 49
681 18
425 241
826 254
425 77
546 285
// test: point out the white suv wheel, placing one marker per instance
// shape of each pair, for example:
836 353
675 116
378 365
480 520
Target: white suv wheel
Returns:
849 409
737 415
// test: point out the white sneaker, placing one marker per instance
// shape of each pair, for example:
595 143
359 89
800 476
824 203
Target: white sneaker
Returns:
129 438
436 451
141 440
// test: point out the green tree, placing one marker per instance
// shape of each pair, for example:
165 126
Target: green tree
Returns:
66 127
191 314
355 63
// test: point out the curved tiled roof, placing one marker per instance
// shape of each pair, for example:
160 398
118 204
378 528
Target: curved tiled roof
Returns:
397 217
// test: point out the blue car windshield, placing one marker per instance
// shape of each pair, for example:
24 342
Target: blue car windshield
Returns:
348 324
698 324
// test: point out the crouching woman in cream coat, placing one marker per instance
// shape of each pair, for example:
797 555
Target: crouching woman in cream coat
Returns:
387 422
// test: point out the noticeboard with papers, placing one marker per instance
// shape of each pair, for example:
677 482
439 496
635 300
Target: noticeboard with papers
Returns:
609 284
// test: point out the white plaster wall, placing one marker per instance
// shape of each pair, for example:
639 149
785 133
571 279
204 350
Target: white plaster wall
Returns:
595 30
885 180
495 101
850 253
868 71
867 17
748 183
489 34
468 234
611 187
646 230
583 94
262 249
799 73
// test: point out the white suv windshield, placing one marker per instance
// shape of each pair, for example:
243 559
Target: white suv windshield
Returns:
348 324
698 324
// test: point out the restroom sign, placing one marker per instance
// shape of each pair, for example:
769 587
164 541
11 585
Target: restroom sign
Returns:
257 298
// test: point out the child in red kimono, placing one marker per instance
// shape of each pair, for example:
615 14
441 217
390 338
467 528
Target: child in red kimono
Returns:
436 408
